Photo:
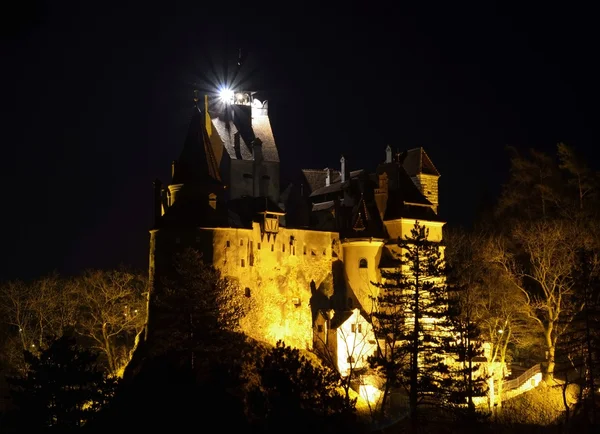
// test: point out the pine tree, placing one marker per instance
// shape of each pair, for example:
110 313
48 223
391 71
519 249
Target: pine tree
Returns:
63 388
408 320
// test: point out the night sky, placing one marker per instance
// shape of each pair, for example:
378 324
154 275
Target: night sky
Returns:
96 103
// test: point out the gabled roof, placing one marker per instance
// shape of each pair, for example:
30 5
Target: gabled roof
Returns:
416 161
197 163
315 178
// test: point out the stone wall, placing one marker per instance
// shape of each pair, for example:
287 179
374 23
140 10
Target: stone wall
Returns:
277 272
428 185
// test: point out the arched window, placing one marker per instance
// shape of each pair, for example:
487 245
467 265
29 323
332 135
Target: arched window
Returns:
363 263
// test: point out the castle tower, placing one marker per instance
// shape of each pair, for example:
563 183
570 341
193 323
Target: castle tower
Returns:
423 173
361 250
250 162
194 199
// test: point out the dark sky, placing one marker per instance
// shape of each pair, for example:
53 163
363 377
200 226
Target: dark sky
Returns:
96 101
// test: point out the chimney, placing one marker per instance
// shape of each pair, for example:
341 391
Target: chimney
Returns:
157 200
343 169
388 154
257 150
327 177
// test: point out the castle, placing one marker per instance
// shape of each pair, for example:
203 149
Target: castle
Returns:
307 252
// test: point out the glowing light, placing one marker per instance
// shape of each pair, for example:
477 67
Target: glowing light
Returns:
370 393
226 95
500 331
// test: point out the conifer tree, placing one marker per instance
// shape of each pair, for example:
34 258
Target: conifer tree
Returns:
63 388
408 320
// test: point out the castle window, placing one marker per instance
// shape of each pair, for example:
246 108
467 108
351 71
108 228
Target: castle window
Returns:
248 175
324 252
247 292
320 328
282 247
241 242
350 359
257 246
312 252
272 247
228 244
243 263
296 301
353 328
359 328
305 250
363 263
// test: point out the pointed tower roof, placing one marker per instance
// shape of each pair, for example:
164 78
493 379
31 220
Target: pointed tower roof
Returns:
417 161
364 221
197 163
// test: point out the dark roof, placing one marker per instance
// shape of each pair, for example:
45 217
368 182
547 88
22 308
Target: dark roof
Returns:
404 198
336 183
197 162
365 221
397 207
339 318
417 161
315 178
388 260
240 125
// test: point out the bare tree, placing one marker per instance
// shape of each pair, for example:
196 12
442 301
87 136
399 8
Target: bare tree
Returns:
542 266
35 313
113 311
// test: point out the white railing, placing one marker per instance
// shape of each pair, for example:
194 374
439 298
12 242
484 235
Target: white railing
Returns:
521 379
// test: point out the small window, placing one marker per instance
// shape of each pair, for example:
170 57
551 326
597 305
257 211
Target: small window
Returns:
272 247
266 177
305 250
247 292
320 328
282 247
248 175
243 263
296 301
363 263
353 328
241 242
313 253
324 252
360 328
257 246
350 359
228 244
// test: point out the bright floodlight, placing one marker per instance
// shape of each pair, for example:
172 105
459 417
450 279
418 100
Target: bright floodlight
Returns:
226 95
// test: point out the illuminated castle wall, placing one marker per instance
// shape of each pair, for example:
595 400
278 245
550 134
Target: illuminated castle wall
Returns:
313 246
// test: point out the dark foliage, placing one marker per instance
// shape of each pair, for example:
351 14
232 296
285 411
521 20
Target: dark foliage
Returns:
63 389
